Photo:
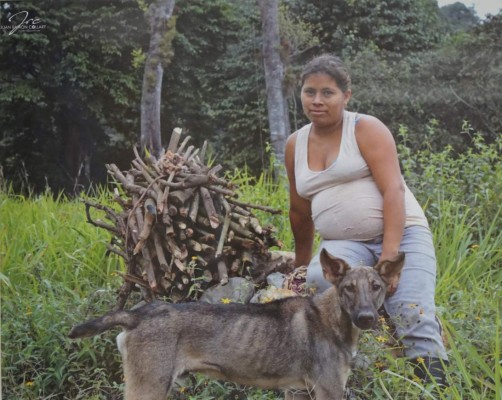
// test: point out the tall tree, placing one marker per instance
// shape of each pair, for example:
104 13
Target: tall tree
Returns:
69 94
161 34
274 77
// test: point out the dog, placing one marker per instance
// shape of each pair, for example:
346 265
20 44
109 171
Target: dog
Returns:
295 343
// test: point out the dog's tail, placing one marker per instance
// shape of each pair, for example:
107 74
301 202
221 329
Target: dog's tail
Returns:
96 326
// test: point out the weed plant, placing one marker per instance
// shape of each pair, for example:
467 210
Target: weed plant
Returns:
54 272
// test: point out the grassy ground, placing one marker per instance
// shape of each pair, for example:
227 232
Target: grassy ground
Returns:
54 272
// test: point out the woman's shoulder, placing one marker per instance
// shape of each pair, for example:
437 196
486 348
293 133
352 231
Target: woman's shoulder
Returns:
291 140
368 125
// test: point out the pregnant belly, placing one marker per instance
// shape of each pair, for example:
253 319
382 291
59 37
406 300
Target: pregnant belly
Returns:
350 211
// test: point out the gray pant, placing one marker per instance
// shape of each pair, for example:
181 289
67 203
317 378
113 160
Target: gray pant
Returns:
412 307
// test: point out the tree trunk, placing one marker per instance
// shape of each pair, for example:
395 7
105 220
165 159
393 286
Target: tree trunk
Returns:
274 76
158 15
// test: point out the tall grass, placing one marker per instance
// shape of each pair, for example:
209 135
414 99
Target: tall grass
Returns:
54 272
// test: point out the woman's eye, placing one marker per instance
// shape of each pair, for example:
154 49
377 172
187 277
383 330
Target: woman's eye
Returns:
327 93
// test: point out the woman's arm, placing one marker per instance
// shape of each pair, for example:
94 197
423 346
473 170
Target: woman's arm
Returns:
378 148
300 214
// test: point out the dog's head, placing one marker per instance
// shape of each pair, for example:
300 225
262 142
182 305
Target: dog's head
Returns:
362 289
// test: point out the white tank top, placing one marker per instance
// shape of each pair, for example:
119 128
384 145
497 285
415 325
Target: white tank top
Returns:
346 202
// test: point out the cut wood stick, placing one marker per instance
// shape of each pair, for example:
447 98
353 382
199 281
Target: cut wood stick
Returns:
223 235
180 265
242 242
193 156
200 261
133 227
149 157
239 230
222 272
255 224
204 236
236 265
194 207
133 279
194 246
150 215
165 194
146 264
202 153
173 247
159 250
219 189
151 181
207 249
210 209
116 173
175 138
183 144
188 152
169 230
179 197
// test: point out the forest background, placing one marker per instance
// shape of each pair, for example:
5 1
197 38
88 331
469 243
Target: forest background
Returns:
70 93
70 97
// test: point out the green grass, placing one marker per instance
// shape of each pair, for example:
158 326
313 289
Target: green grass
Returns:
54 272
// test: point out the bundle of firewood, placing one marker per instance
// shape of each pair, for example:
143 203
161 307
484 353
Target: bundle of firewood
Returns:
181 228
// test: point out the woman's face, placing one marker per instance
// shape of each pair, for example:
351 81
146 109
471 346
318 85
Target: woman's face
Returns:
322 99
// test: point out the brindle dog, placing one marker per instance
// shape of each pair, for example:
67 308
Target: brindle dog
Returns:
294 343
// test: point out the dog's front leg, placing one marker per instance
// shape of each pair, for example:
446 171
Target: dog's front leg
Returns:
298 395
331 391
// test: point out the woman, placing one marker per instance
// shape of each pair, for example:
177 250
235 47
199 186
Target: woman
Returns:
345 183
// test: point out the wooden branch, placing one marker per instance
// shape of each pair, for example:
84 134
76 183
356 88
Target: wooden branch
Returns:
100 224
118 252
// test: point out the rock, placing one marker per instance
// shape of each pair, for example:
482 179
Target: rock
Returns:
276 279
237 290
272 293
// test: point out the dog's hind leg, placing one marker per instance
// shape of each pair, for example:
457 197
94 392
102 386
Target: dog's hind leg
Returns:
148 374
149 384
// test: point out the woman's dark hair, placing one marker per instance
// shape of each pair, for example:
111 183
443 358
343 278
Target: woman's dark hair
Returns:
329 65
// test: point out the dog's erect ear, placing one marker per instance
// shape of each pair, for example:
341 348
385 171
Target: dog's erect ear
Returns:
390 269
333 268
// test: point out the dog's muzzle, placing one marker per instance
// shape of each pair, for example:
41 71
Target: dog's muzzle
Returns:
365 320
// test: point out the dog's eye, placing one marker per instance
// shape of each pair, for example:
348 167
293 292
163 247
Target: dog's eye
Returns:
376 287
350 288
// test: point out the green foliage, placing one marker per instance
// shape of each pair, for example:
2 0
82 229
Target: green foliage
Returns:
392 25
472 180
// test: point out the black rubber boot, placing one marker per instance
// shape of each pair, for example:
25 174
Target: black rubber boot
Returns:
431 370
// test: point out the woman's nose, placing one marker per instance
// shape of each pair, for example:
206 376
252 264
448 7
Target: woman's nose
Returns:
317 98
